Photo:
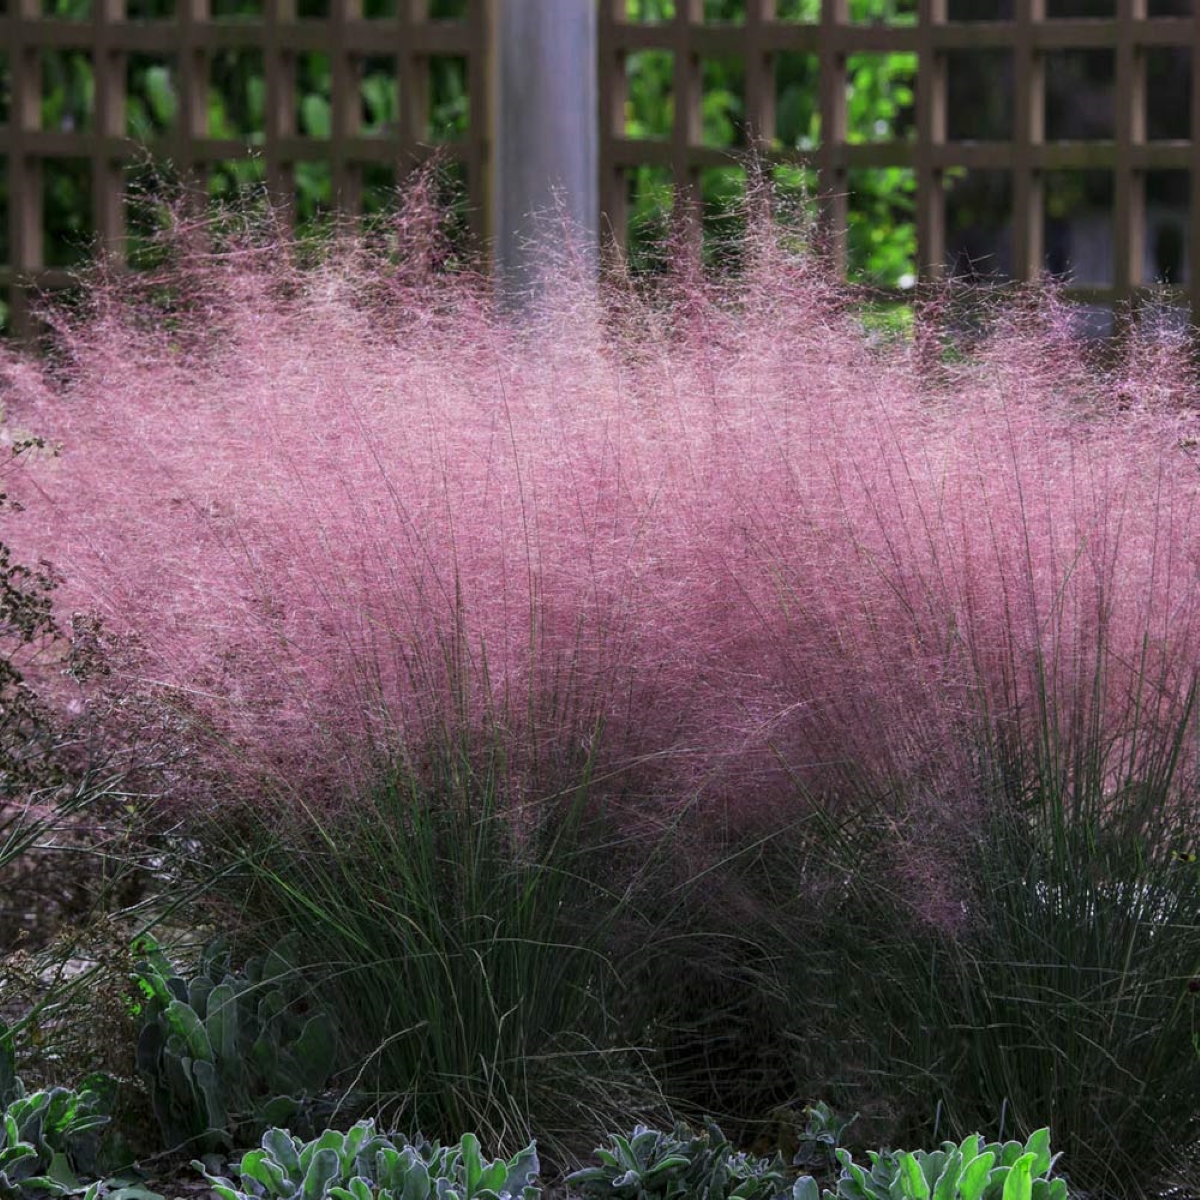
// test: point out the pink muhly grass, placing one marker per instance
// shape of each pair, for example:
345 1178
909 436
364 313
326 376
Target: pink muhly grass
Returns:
347 509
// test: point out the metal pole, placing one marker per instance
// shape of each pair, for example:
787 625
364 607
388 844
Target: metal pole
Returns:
546 188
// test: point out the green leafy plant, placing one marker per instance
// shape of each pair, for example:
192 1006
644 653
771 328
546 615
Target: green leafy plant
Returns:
50 1138
652 1164
821 1138
225 1054
364 1164
1009 1170
478 987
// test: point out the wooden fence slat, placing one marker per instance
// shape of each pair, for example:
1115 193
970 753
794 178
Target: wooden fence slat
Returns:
191 38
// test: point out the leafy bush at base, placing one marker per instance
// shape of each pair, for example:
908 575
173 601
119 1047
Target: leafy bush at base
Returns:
970 1171
363 1164
226 1053
52 1139
652 1165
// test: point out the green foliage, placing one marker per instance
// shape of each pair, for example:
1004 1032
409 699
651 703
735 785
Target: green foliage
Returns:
225 1054
821 1138
653 1165
970 1171
1060 987
475 963
50 1138
363 1164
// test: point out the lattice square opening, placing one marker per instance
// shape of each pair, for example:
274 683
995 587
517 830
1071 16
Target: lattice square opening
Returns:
449 99
883 12
723 116
68 10
149 10
979 224
314 96
67 221
1080 95
379 96
649 197
151 96
797 111
804 12
979 94
378 189
649 12
650 107
235 181
881 98
237 95
1080 8
725 12
68 91
881 231
1167 233
313 191
238 10
1077 236
1168 93
723 216
979 10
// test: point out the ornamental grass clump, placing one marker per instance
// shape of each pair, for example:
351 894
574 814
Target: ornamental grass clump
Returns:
878 649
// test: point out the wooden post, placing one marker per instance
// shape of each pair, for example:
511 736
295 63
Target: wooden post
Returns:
546 191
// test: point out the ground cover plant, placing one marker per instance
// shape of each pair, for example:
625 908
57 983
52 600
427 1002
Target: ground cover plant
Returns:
659 664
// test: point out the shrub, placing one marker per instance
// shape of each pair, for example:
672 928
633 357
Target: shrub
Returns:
650 1164
970 1171
225 1053
51 1138
470 964
896 645
363 1164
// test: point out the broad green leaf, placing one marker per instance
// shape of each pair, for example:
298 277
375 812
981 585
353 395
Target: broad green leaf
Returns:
262 1168
805 1188
205 1075
221 1023
945 1187
322 1171
1019 1184
974 1177
931 1166
670 1163
912 1178
282 1147
472 1161
199 989
182 1019
60 1171
315 1051
492 1178
1039 1146
523 1168
416 1183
